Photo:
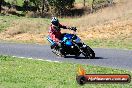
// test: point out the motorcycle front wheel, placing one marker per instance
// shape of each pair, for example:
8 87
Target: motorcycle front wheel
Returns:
88 53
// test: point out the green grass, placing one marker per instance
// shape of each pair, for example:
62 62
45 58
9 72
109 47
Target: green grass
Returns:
6 21
103 43
25 73
19 2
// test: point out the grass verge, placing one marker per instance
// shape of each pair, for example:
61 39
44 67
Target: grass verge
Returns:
6 21
103 43
25 73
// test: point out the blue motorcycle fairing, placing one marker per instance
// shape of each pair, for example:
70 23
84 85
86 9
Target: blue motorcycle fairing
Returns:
68 39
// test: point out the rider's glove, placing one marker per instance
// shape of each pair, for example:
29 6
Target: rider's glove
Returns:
73 28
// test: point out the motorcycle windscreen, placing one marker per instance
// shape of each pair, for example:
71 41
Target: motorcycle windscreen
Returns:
77 40
69 36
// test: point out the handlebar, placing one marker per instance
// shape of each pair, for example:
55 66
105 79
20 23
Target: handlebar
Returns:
73 28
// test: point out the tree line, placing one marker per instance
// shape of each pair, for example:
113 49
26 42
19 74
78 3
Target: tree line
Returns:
52 7
55 7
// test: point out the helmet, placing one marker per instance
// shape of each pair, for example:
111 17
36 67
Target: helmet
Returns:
55 21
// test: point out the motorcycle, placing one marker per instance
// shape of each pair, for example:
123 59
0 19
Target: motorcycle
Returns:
71 44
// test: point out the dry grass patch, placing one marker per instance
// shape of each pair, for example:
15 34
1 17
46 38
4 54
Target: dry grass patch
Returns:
33 26
25 38
26 30
122 11
113 30
113 23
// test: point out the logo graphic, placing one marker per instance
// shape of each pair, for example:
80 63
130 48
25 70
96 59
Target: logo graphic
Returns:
83 78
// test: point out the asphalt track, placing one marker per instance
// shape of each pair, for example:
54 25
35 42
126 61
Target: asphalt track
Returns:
115 58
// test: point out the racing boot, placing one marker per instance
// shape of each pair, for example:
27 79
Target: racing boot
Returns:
53 46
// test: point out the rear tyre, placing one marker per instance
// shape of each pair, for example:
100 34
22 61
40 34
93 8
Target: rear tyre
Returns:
78 54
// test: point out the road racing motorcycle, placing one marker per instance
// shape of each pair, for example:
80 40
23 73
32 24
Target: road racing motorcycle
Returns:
71 44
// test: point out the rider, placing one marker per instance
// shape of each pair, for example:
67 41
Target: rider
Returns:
55 33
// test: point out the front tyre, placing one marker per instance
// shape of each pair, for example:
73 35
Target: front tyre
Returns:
91 52
88 52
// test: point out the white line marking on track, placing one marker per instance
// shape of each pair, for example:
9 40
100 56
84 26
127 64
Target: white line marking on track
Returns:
38 59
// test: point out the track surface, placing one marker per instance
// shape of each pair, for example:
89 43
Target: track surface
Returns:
114 58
